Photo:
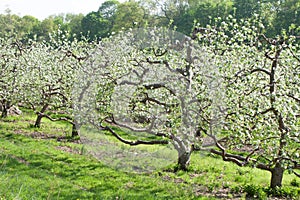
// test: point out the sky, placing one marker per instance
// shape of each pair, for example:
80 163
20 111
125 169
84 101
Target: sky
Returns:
42 9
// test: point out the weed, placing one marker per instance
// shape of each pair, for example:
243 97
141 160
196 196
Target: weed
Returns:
262 193
287 192
295 183
255 191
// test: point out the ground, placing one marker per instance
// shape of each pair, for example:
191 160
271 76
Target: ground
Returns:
46 163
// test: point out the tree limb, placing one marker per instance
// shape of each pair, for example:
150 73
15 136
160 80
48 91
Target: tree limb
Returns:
139 130
293 97
133 143
66 119
297 174
260 70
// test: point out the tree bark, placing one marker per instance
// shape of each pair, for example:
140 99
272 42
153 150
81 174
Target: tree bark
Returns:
5 107
75 131
40 115
277 175
38 121
184 160
4 112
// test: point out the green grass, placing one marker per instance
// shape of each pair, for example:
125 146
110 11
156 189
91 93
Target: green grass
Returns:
109 150
33 169
33 166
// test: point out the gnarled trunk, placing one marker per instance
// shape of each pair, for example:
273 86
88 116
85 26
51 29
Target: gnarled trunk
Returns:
40 115
6 105
38 121
184 150
277 175
4 112
75 131
184 160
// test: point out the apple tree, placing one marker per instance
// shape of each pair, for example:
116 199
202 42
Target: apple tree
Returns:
260 119
12 56
147 81
50 68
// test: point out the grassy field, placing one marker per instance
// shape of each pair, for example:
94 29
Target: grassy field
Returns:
34 164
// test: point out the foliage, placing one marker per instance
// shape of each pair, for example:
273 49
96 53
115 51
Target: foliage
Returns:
128 15
114 16
101 26
263 193
295 183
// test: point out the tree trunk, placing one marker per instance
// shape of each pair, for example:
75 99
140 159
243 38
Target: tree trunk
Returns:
184 150
277 175
40 115
75 131
184 160
38 121
5 107
4 112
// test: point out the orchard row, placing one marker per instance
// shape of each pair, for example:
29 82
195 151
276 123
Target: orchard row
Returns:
228 90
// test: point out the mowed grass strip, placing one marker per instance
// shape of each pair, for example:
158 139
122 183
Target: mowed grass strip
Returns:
39 168
31 169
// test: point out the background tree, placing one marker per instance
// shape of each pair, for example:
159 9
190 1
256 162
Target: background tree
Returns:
74 25
205 12
246 8
108 9
46 27
9 23
288 17
95 26
27 26
129 15
112 16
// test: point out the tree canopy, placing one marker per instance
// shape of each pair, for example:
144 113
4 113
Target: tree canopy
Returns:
114 16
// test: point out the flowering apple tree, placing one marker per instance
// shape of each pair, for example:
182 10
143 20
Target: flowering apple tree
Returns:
12 56
152 82
261 118
50 72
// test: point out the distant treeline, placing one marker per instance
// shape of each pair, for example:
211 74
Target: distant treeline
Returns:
113 16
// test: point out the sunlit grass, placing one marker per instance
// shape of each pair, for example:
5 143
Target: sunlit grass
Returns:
37 169
44 168
141 158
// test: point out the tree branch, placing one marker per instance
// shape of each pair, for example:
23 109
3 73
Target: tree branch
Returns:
293 97
133 143
260 70
139 130
237 159
297 174
294 55
66 119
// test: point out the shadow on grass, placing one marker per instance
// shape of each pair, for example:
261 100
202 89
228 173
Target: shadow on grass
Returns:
33 169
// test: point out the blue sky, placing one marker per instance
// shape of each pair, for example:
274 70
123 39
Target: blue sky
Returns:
41 9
